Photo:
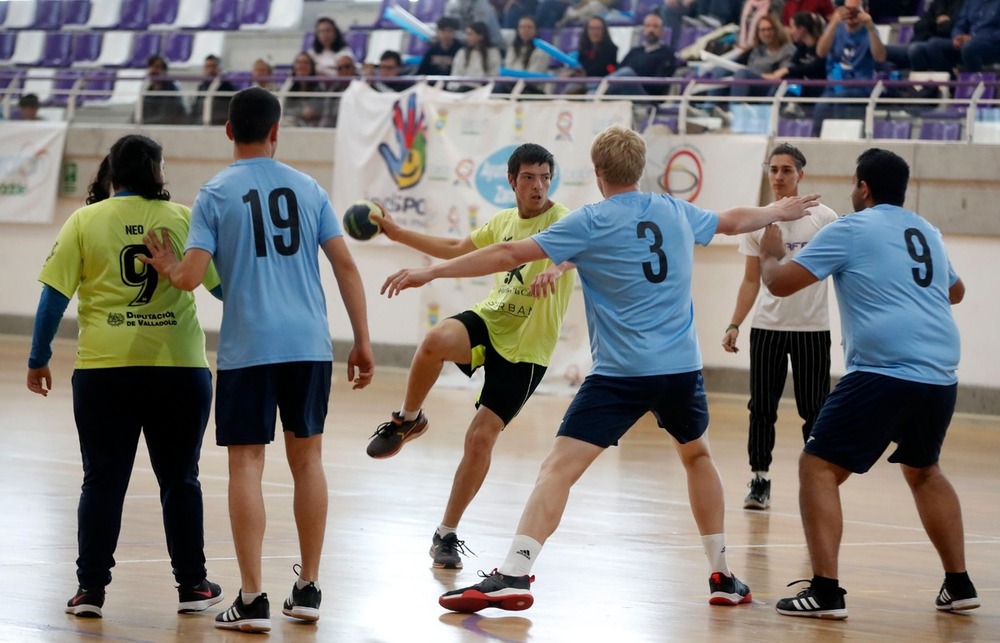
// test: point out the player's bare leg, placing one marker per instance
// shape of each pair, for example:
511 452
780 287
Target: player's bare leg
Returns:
246 512
446 342
305 459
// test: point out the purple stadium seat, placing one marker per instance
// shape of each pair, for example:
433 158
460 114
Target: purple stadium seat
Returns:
307 40
239 79
163 13
941 131
795 127
689 34
8 76
177 47
48 14
893 129
7 41
144 45
62 83
98 85
224 15
254 12
644 7
86 46
381 22
75 13
904 35
567 39
134 15
58 51
416 46
356 40
427 11
3 12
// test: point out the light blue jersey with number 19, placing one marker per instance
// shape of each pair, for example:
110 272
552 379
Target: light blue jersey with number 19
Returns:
634 254
263 222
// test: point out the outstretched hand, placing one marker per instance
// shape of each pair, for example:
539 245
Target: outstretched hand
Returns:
772 244
796 207
406 278
544 283
161 251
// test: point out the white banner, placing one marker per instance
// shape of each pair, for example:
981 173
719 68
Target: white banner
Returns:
713 172
438 162
30 158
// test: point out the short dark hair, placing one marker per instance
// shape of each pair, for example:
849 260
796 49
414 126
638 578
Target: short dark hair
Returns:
886 175
157 58
447 22
213 57
252 113
529 154
389 54
28 100
134 164
788 149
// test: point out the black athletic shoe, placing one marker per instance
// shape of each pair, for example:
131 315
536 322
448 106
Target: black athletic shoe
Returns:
255 617
759 496
87 603
727 590
198 598
809 603
445 551
957 599
303 604
496 590
390 436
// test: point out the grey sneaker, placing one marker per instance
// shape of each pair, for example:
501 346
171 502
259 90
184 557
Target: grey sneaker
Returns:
390 436
759 496
445 551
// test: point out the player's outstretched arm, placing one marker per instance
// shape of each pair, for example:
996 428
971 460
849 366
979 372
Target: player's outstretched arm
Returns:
485 261
187 273
782 279
544 283
747 219
360 363
439 247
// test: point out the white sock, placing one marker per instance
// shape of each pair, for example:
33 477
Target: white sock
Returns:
409 416
715 550
762 475
522 555
248 597
443 530
300 584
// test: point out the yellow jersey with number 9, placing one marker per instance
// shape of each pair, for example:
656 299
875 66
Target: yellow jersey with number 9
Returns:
127 314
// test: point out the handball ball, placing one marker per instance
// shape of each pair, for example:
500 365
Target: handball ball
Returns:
361 220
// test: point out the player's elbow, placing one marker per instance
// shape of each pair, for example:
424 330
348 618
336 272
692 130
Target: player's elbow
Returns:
956 293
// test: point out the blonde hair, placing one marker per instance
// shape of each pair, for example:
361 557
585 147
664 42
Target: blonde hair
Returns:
619 155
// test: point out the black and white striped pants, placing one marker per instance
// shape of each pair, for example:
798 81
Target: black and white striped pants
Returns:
770 351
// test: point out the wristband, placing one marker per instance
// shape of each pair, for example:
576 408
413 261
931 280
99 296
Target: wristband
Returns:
731 327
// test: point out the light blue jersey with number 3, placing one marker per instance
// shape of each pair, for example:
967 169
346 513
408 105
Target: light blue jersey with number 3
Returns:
634 254
892 276
263 223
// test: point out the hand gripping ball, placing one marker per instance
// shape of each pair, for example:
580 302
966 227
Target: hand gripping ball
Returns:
361 220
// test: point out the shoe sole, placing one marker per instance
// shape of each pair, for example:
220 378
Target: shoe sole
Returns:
198 606
754 504
472 601
437 565
412 435
959 606
721 598
310 614
837 615
247 625
85 611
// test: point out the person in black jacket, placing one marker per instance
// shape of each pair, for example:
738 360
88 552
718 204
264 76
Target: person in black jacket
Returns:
597 53
219 111
439 57
935 24
651 59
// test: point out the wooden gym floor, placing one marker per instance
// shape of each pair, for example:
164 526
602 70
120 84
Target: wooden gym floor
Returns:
626 564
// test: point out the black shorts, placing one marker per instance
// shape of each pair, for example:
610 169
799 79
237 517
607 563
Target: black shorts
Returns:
605 408
866 412
248 400
507 385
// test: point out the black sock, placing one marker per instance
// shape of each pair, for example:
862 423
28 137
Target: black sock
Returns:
825 587
957 579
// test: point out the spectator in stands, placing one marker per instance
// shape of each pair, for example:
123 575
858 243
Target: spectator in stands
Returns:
441 54
851 46
770 51
328 45
651 58
469 12
550 12
390 63
583 10
752 12
805 62
165 109
821 7
523 55
597 53
672 13
261 74
27 108
300 108
936 23
514 10
220 104
478 58
723 12
347 71
975 41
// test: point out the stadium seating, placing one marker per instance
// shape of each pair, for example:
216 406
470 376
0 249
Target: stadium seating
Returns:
795 127
19 15
271 14
892 129
58 50
941 130
75 13
29 48
86 47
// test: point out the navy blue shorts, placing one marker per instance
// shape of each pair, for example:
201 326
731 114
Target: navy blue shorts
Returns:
506 385
605 408
866 412
248 400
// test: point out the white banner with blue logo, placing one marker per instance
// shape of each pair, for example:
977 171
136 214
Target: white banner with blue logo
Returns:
437 161
30 158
